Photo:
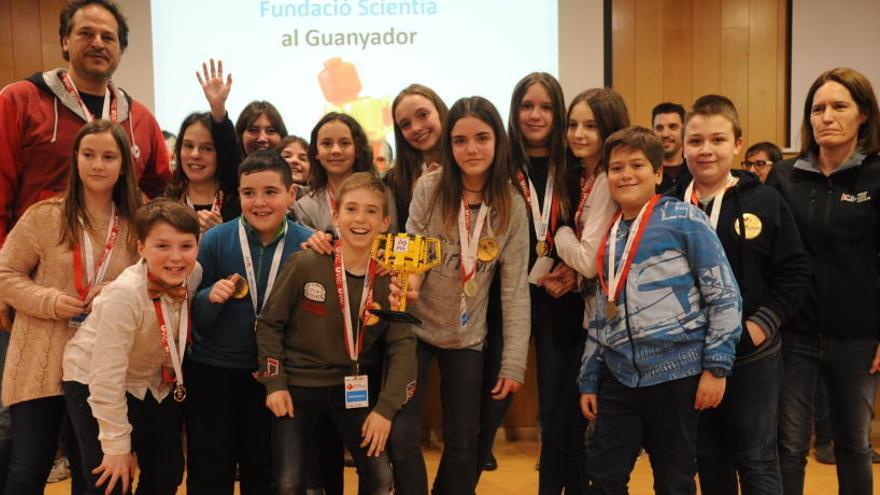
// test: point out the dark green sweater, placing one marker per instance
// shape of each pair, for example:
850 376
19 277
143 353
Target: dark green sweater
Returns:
301 328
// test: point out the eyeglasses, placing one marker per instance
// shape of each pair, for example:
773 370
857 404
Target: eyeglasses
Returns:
757 164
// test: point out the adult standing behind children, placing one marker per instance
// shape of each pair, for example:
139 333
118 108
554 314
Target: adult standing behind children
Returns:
227 420
761 241
833 188
42 114
667 120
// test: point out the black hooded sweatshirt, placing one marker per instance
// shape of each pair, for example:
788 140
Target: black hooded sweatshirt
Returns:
839 220
770 263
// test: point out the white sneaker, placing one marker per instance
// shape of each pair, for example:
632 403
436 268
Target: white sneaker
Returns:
60 470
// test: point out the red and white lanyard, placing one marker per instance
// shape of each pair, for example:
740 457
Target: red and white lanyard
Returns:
331 203
586 190
174 350
216 206
110 101
354 336
691 195
616 279
543 219
468 242
94 272
249 265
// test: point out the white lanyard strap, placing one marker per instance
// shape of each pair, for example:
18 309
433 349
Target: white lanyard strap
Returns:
613 274
469 242
541 216
715 213
249 265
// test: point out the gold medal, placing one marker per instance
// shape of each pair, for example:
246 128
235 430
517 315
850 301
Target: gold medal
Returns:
753 226
541 248
612 310
179 393
241 288
373 319
487 249
470 288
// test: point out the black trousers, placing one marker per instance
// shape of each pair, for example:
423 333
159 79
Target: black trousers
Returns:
227 423
155 438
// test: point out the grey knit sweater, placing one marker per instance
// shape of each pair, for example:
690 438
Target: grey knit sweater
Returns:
439 300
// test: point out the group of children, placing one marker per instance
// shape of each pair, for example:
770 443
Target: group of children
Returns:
241 306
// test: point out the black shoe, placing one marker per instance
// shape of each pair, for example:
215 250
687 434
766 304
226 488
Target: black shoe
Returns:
825 454
491 463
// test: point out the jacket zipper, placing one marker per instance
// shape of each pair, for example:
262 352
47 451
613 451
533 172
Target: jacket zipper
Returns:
632 342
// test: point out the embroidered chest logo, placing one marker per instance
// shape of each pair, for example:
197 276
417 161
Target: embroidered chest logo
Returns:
314 291
855 198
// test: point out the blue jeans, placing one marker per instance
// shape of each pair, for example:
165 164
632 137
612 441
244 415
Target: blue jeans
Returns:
461 372
739 436
851 391
155 438
660 418
291 438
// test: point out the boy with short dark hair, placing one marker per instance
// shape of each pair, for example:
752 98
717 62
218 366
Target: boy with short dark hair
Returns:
123 382
321 347
663 327
761 240
227 421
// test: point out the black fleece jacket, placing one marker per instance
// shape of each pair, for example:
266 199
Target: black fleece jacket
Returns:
839 220
770 263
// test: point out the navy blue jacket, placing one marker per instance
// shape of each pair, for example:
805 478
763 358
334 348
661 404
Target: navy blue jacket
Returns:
223 334
770 263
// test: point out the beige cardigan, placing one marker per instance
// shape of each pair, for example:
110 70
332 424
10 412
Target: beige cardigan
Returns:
34 270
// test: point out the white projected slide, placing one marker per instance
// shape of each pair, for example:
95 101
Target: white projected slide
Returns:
308 57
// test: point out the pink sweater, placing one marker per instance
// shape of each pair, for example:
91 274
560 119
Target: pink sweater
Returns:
34 271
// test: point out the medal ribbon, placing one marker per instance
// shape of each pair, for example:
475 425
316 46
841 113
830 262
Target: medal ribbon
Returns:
353 333
110 103
586 190
249 265
216 206
183 336
691 194
92 276
545 217
618 279
469 242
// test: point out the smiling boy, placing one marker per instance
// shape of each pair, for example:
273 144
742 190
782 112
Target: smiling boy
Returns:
663 327
762 243
227 421
321 350
123 366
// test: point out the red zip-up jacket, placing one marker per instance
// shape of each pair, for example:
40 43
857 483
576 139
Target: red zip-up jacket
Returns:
38 122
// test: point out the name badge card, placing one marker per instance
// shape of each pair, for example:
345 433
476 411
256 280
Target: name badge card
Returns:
357 392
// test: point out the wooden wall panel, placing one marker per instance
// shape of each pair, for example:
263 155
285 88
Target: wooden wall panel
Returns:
51 45
7 72
28 56
688 48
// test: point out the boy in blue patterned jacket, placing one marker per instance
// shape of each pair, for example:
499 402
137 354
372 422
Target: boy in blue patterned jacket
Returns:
662 330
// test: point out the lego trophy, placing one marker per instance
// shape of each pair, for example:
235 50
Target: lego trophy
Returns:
404 254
